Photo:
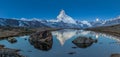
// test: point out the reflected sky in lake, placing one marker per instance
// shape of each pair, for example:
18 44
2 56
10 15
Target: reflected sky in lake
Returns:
63 47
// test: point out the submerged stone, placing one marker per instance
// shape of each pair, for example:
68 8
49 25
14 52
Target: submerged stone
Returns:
71 53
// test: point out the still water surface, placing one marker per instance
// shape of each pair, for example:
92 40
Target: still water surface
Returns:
63 47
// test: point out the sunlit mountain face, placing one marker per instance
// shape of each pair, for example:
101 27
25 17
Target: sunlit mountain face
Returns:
63 17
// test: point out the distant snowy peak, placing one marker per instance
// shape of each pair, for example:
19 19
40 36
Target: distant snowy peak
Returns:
32 19
87 23
65 18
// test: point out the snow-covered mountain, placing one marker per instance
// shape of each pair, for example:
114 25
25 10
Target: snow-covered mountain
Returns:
112 21
65 21
61 21
65 18
109 22
21 23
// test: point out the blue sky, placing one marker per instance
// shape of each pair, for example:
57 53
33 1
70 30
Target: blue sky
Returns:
49 9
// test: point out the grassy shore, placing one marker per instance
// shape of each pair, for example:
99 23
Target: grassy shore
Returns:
6 32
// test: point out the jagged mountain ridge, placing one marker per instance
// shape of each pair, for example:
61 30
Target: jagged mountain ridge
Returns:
110 22
21 23
62 21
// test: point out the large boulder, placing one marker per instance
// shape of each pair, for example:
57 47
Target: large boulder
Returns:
42 40
84 42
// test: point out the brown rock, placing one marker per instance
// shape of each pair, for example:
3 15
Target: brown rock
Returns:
42 40
7 52
12 40
2 46
115 55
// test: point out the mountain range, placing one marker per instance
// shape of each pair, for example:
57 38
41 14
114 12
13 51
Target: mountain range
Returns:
62 21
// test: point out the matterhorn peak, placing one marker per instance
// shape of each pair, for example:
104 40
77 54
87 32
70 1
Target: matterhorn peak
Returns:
65 18
62 12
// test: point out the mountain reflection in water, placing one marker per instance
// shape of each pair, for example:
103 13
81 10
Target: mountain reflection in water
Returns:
64 35
60 44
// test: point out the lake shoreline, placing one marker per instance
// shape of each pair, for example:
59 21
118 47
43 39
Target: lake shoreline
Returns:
111 30
13 32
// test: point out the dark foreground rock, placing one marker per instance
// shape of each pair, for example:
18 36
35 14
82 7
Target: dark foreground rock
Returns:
42 40
7 52
115 55
83 42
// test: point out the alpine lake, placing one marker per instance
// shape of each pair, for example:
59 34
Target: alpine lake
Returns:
62 45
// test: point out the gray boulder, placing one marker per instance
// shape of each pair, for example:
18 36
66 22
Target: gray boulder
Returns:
84 42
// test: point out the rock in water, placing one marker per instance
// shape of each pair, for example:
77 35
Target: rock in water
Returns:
42 40
7 52
83 42
12 40
2 46
115 55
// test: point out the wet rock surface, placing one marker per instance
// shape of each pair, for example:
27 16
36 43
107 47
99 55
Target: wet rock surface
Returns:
7 52
12 40
84 42
42 40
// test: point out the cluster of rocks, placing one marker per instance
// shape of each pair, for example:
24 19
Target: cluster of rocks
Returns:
7 52
42 40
